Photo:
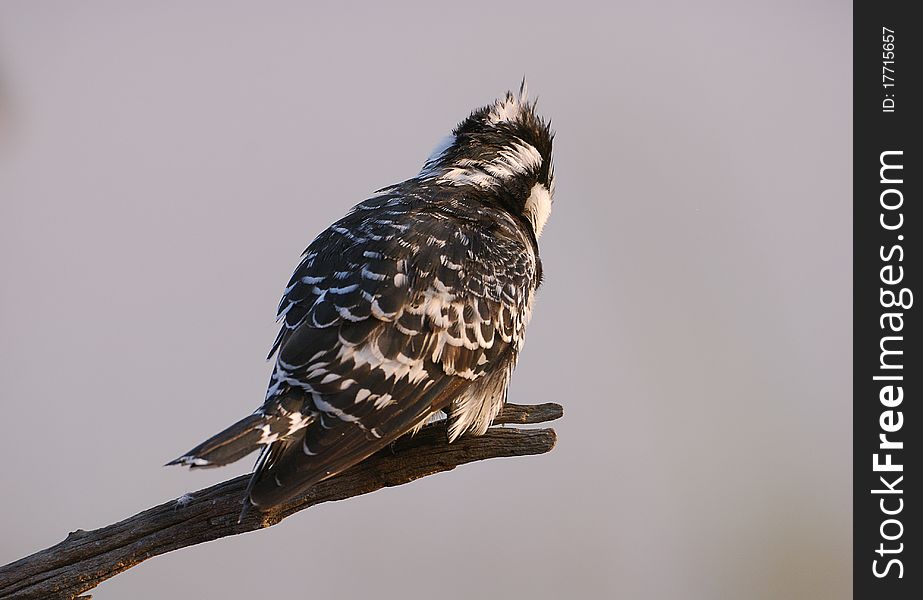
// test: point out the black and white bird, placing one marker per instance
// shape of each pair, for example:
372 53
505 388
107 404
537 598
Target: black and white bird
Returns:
415 302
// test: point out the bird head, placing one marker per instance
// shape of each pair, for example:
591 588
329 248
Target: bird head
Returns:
503 151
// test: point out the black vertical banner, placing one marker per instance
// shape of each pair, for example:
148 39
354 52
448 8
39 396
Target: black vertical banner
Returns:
887 370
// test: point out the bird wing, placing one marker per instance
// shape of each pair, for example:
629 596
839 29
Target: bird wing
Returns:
393 312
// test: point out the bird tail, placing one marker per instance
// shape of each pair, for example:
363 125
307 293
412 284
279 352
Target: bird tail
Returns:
240 439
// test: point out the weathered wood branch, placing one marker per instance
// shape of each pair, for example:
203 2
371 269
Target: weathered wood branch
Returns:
86 558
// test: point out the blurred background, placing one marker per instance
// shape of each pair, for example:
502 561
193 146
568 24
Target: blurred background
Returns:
163 165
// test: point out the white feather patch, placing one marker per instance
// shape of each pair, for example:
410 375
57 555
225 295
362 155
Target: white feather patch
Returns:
518 159
538 207
476 406
508 108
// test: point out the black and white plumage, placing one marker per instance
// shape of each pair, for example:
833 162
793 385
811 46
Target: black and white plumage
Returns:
415 302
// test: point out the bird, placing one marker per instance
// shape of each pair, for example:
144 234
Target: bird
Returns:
411 308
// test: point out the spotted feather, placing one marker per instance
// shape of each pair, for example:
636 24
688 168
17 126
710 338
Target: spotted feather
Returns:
415 302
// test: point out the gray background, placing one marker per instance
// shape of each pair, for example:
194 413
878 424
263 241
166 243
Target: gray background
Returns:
163 164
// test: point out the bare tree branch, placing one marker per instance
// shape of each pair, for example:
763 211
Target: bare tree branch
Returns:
86 558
